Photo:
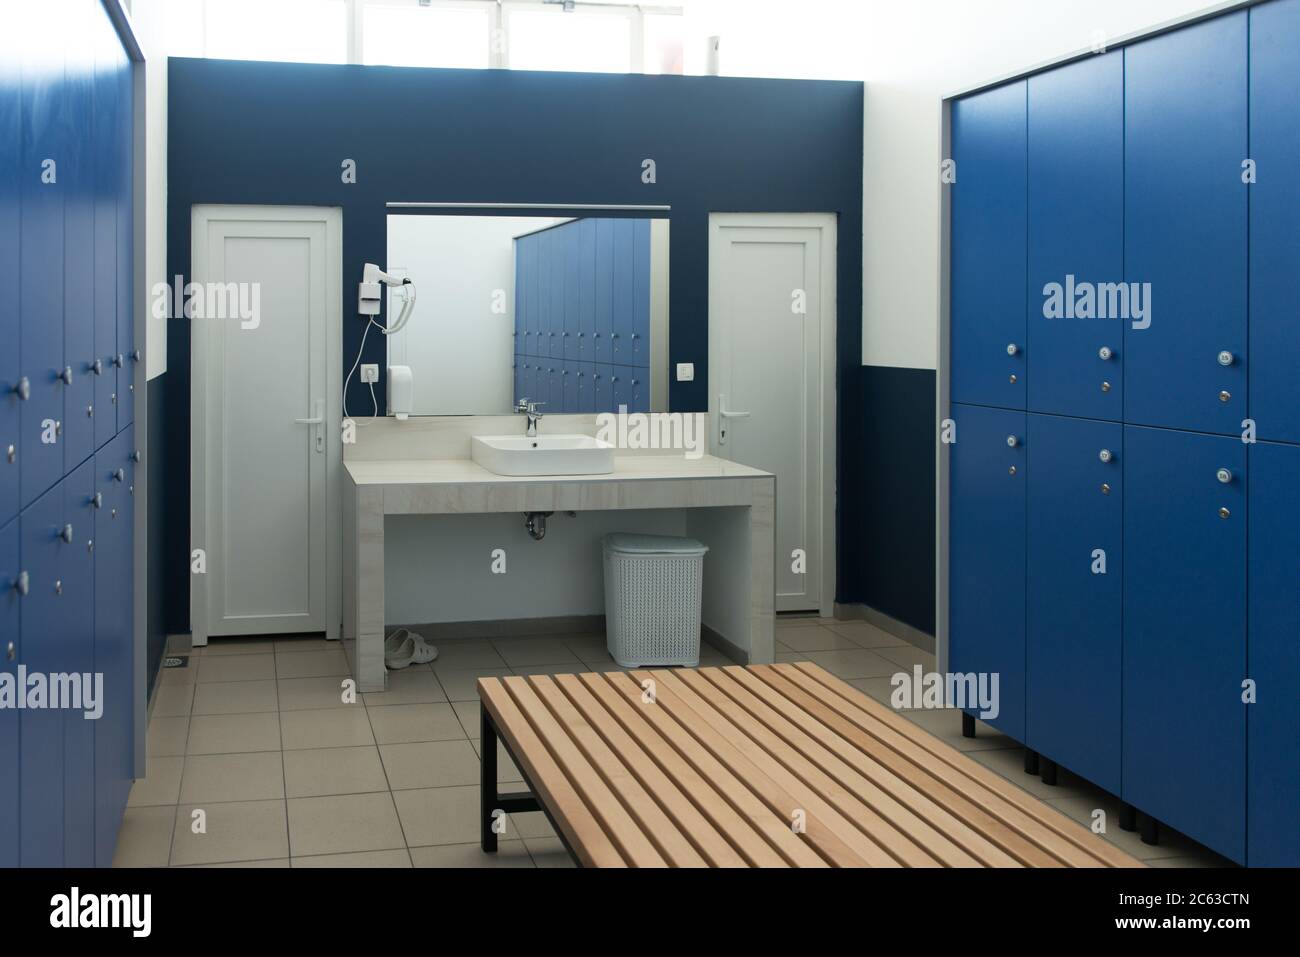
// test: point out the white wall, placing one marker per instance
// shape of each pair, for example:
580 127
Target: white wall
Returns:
914 53
460 351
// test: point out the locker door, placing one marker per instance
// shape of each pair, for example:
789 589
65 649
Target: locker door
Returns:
517 376
103 139
45 139
572 289
77 174
114 481
43 652
77 575
604 290
988 222
1274 657
525 293
1074 603
602 396
620 388
986 577
568 372
623 291
10 234
1185 226
1184 633
10 655
550 388
518 301
587 290
639 354
1275 219
555 315
1076 229
637 391
586 387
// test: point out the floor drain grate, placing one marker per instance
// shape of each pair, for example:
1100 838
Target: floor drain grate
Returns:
176 661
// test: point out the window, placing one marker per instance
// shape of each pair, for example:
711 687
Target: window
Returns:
446 35
663 37
586 41
301 31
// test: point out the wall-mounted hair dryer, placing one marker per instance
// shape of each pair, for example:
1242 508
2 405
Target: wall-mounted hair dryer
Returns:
370 293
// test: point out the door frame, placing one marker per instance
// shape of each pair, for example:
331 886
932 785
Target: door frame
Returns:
827 224
331 217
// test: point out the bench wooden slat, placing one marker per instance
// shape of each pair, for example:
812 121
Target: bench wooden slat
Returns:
572 816
943 824
775 829
742 836
649 817
676 804
1072 843
630 840
906 835
836 813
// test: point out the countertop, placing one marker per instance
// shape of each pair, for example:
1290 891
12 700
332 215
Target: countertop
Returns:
627 468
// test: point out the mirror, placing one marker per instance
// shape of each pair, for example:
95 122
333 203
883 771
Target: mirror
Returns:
571 313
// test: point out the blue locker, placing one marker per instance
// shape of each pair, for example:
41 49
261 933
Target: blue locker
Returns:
126 356
1185 228
113 637
45 139
45 620
988 224
638 390
639 353
587 290
586 387
517 301
570 241
1076 229
602 394
604 290
1275 219
1074 606
551 389
568 376
104 138
10 655
623 291
525 293
77 575
986 584
10 236
77 173
1274 657
555 314
1185 632
516 379
544 319
620 389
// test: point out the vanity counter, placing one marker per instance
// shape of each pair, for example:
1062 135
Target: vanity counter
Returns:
627 468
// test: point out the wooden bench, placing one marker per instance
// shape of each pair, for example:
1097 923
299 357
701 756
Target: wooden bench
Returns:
766 766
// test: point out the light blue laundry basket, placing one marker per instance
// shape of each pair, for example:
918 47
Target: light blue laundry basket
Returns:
652 599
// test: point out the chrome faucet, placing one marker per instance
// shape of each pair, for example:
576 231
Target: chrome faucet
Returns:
529 408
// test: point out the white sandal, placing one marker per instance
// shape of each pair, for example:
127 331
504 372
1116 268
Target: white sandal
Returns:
404 648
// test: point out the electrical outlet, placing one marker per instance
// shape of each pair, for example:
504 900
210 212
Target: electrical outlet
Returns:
686 372
369 372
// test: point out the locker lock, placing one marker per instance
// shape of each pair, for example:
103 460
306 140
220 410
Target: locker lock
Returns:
1224 513
66 375
1012 441
1105 488
1106 455
24 388
23 583
97 367
135 355
11 453
135 456
97 500
10 651
117 361
1224 476
1105 387
1225 396
58 587
1012 378
1105 353
66 534
1012 349
119 475
1226 358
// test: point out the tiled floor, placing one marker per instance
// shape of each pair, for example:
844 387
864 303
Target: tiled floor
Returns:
255 759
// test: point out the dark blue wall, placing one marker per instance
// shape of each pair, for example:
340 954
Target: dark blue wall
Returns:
276 133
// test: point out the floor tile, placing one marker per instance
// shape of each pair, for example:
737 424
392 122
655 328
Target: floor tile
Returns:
568 668
180 676
240 831
458 656
588 647
172 700
231 733
1010 763
907 657
864 634
160 785
235 697
508 854
325 728
882 690
212 778
167 736
403 723
439 815
945 724
1172 844
145 837
854 663
548 852
812 639
242 865
530 826
325 771
236 668
217 647
507 771
792 622
463 685
430 764
470 715
312 664
410 686
306 694
393 858
350 822
526 652
294 645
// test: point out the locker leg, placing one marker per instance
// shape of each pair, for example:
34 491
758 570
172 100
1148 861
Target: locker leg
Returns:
1127 817
1149 828
1031 761
967 725
1049 772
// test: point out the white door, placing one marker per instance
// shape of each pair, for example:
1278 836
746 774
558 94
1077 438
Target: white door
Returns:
265 434
772 381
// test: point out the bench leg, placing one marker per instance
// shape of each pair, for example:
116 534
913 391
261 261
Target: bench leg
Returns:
1031 761
1048 772
487 788
1128 817
967 725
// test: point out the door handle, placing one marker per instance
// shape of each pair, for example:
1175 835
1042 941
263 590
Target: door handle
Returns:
723 415
317 420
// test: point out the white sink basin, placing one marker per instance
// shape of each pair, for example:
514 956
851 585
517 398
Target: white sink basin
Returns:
543 454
